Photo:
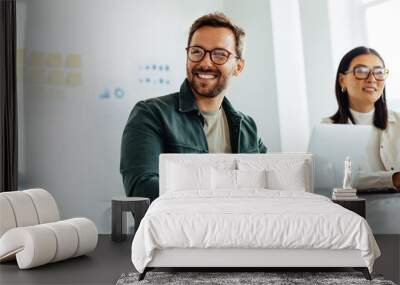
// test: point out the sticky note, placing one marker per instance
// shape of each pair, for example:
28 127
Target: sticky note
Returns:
37 75
20 72
37 58
20 56
73 61
54 60
73 79
55 77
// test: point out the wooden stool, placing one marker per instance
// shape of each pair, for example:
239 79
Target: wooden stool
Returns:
137 205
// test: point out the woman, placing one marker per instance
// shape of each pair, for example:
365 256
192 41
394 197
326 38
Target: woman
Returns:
360 93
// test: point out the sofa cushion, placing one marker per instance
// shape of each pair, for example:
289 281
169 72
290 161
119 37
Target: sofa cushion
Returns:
7 215
40 244
27 208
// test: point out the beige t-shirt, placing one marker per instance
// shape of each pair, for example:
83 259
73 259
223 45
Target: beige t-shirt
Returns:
366 119
216 129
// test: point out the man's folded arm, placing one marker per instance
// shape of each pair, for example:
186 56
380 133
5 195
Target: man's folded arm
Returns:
140 149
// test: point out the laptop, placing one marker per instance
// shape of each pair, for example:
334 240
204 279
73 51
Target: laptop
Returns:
330 144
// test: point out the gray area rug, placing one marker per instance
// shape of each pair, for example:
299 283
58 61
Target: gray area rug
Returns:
269 278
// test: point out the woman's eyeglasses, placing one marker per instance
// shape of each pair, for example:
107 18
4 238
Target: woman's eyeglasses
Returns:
362 72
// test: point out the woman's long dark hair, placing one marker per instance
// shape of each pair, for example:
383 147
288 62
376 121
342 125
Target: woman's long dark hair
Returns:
343 114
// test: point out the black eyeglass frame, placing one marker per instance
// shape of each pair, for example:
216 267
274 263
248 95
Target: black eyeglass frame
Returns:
386 72
211 56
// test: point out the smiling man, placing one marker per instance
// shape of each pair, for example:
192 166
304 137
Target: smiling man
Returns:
197 119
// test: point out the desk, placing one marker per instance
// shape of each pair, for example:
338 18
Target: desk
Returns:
383 212
356 205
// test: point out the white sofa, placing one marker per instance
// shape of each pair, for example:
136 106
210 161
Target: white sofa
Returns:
31 231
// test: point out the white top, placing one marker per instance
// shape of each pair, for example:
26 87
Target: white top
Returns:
363 118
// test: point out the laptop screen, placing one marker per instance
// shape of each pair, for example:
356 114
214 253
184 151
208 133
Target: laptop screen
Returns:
330 144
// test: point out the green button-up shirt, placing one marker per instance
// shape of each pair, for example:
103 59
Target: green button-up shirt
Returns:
173 124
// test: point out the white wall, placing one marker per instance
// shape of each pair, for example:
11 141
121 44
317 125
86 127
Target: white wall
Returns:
330 29
21 16
290 78
254 92
319 71
382 21
347 28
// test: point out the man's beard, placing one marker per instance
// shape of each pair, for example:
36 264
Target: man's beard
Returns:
201 89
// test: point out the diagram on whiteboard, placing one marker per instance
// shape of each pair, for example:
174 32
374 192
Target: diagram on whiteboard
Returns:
148 79
156 74
107 93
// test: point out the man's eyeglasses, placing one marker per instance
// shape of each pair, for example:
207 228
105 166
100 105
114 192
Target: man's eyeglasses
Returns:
218 56
362 72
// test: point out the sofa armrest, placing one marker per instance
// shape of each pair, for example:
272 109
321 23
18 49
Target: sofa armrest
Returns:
40 244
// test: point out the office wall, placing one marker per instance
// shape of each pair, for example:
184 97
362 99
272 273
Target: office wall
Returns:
319 70
82 67
290 75
330 28
254 92
86 64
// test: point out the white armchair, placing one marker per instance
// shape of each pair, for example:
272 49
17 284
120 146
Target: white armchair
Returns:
32 233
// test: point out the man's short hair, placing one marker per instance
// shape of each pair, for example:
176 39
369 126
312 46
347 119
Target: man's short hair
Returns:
220 20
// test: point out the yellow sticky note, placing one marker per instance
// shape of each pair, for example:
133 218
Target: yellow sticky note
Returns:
20 56
20 73
73 79
73 61
37 75
55 77
54 60
37 58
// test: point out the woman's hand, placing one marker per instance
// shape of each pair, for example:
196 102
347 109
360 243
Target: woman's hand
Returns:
396 180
